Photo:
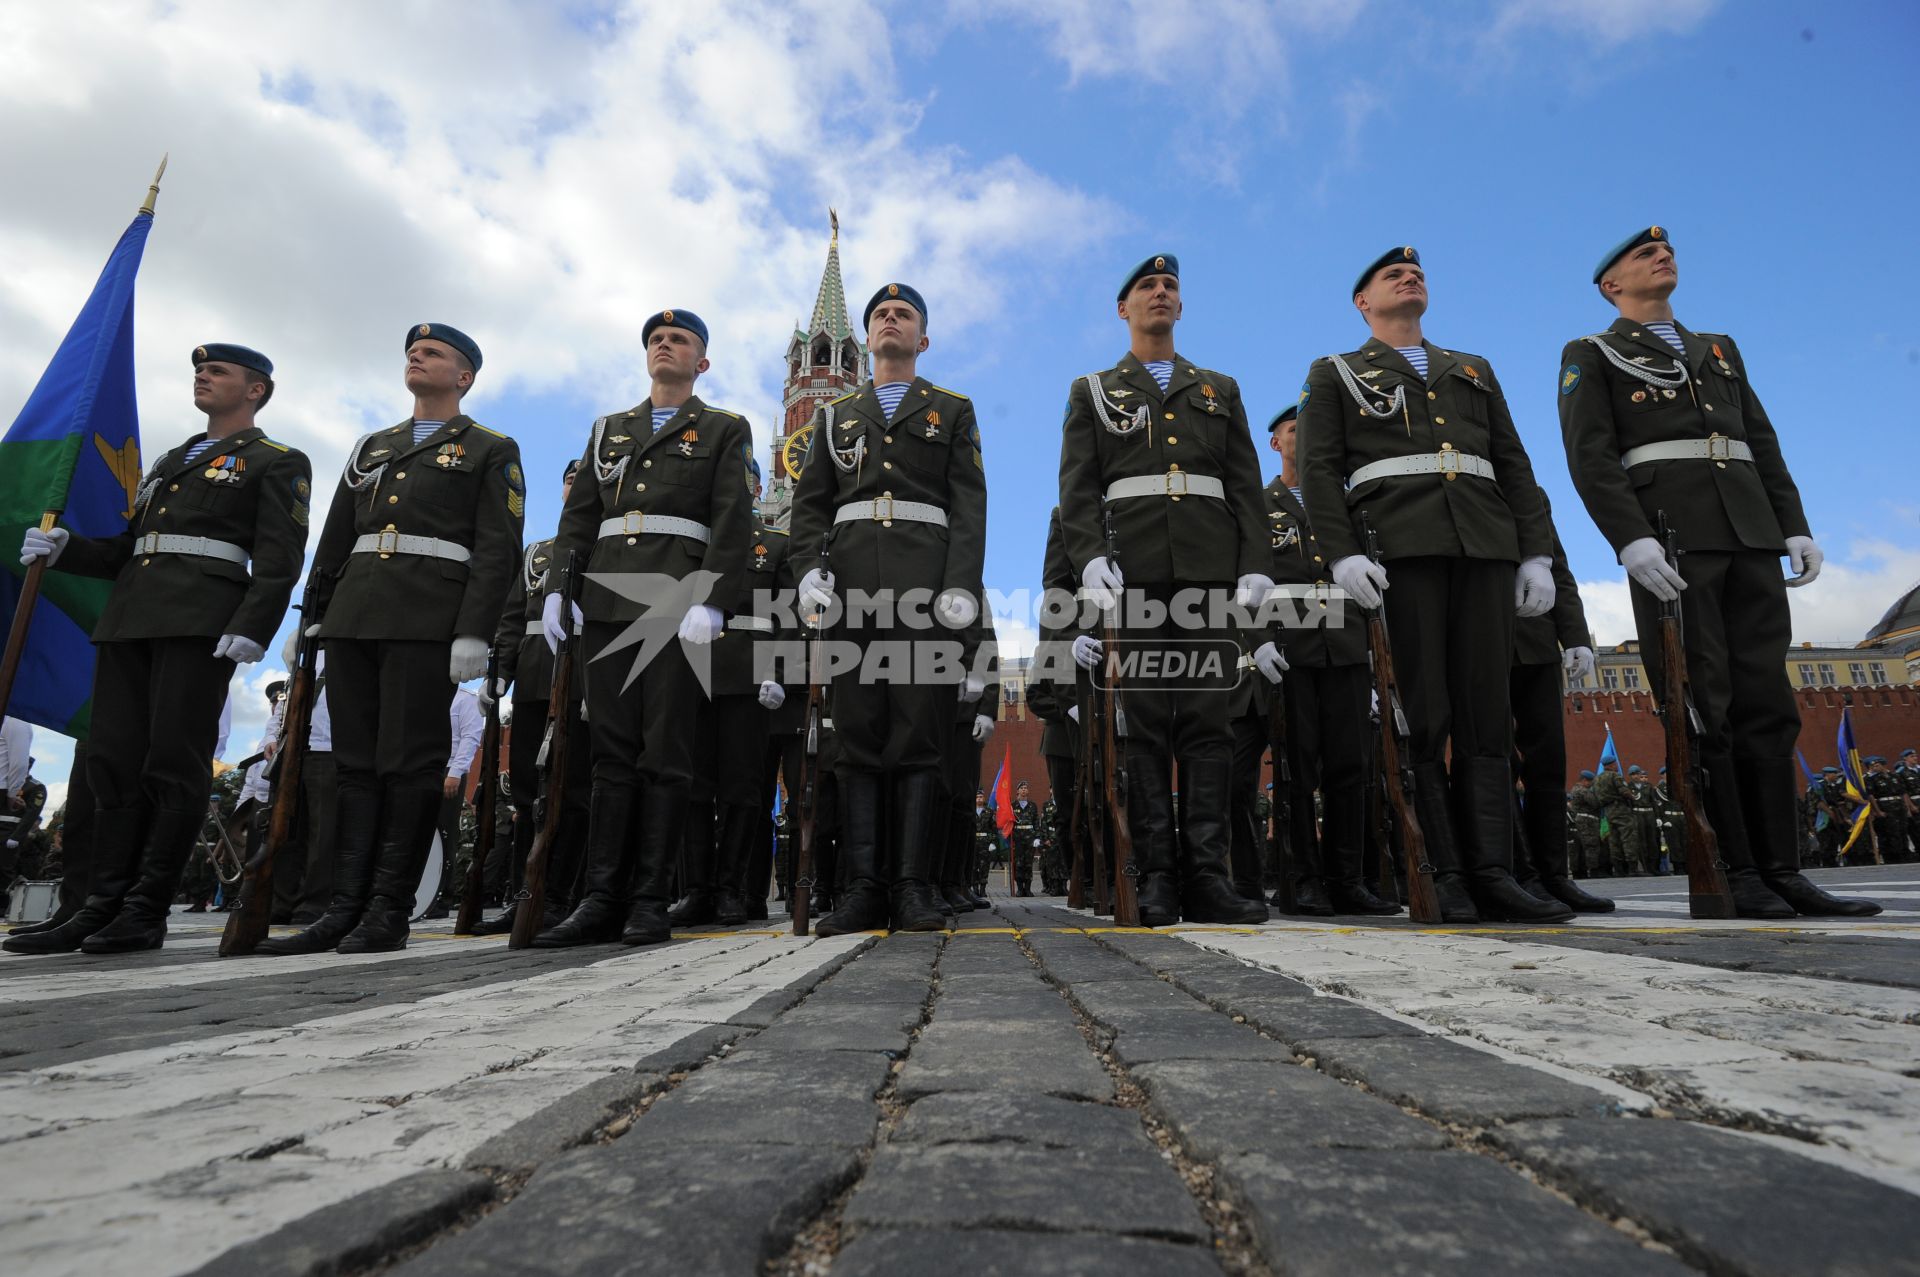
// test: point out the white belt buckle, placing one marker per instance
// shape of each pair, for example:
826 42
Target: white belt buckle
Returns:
1449 463
149 543
1176 483
883 509
635 522
1719 448
388 544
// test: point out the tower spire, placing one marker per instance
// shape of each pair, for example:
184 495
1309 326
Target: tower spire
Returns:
830 307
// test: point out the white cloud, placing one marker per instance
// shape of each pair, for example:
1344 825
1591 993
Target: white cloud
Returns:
1605 22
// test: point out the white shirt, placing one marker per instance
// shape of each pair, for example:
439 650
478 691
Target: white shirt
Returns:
226 727
16 743
469 724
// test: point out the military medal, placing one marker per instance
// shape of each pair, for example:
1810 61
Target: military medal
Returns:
687 439
1212 402
449 455
933 423
1639 396
759 557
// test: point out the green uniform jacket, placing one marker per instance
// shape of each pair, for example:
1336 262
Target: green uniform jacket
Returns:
1198 427
1459 408
688 469
1712 505
1337 634
1585 806
768 574
929 451
263 509
1610 787
476 500
1539 640
525 658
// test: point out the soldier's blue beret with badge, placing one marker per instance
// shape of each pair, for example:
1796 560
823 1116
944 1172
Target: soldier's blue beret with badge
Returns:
447 335
901 292
1651 235
1281 418
675 319
223 352
1404 253
1158 264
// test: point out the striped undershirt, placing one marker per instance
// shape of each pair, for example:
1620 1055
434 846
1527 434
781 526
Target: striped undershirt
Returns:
890 394
661 416
1417 356
1297 497
1161 371
1665 331
198 450
421 429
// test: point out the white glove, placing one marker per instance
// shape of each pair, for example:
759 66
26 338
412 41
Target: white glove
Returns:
956 609
982 728
772 695
239 649
1088 651
1804 556
1577 662
1363 579
492 690
1533 587
1252 590
1646 562
1267 659
701 625
816 589
469 658
47 545
1102 580
550 621
972 687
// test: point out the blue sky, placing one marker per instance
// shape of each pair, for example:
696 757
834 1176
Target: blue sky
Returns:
546 180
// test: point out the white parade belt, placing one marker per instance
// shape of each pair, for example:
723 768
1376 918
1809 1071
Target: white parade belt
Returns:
1174 483
204 547
1446 462
537 628
1715 448
757 624
1317 592
386 544
886 509
638 523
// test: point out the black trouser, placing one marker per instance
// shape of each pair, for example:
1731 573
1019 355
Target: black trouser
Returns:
644 732
508 863
960 778
1451 622
1736 626
390 702
1328 744
317 788
891 723
76 831
1540 738
1188 721
1250 744
156 717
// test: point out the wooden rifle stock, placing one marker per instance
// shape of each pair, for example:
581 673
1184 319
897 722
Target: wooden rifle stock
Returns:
247 924
1708 895
1396 768
486 806
530 904
800 902
1126 897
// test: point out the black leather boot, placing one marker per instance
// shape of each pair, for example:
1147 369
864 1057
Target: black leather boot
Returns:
1433 806
663 823
1767 800
863 905
597 917
1343 850
730 857
117 833
1207 893
409 816
916 809
1150 819
356 824
696 905
1485 804
142 921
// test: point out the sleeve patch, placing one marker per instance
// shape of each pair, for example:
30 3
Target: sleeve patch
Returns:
1569 378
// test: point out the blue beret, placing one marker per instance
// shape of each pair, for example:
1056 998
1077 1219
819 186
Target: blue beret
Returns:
753 466
1663 769
1830 771
1906 753
572 466
1627 245
675 319
1281 418
907 293
1586 775
1404 253
1159 264
1876 758
1635 770
446 334
221 352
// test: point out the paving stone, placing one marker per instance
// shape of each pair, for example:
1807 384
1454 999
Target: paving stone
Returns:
972 1186
1073 959
1295 1020
977 999
359 1231
1455 1083
1137 1004
1759 1208
1047 1057
565 1123
891 1252
771 1097
1402 1213
1223 1107
1043 1121
842 1026
1217 1038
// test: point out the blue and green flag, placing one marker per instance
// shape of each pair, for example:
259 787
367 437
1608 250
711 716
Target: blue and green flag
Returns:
74 448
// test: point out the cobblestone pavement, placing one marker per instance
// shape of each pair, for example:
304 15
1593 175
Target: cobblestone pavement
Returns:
1031 1092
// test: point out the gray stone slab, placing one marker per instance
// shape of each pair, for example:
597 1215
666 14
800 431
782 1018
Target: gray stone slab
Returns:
691 1051
1218 1108
1072 959
1454 1083
358 1232
975 999
627 1209
566 1123
841 1026
1042 1121
891 1252
1401 1213
1726 1201
1137 1004
1216 1038
1296 1020
768 1007
1047 1057
971 1186
771 1097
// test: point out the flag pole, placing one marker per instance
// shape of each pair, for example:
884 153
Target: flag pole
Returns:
30 587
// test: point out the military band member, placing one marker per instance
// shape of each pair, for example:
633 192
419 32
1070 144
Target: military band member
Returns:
1161 443
420 544
1419 440
201 579
659 498
1657 418
896 482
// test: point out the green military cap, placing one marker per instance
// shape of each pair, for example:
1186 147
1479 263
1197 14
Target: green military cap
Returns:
1650 235
903 292
675 319
1404 253
223 352
446 334
1281 418
1159 264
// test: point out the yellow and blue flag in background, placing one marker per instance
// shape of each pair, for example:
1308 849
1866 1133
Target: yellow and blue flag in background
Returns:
1855 776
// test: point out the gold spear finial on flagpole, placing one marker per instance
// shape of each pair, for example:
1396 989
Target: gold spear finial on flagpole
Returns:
153 192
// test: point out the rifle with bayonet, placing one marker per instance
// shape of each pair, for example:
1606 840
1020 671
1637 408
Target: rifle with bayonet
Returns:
486 803
1396 750
530 903
801 789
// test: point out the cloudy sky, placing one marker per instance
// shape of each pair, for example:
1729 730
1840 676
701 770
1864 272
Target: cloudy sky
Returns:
546 176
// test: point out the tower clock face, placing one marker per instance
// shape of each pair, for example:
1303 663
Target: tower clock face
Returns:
793 453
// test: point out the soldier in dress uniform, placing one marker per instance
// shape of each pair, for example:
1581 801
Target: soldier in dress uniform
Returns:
1159 447
201 579
973 726
1419 440
1053 874
1026 840
1658 418
896 483
420 544
1583 805
1671 823
1907 775
1644 845
659 499
986 841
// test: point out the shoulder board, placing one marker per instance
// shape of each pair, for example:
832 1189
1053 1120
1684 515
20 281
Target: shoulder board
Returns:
843 398
775 532
1717 336
1605 332
722 412
277 447
485 431
943 390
